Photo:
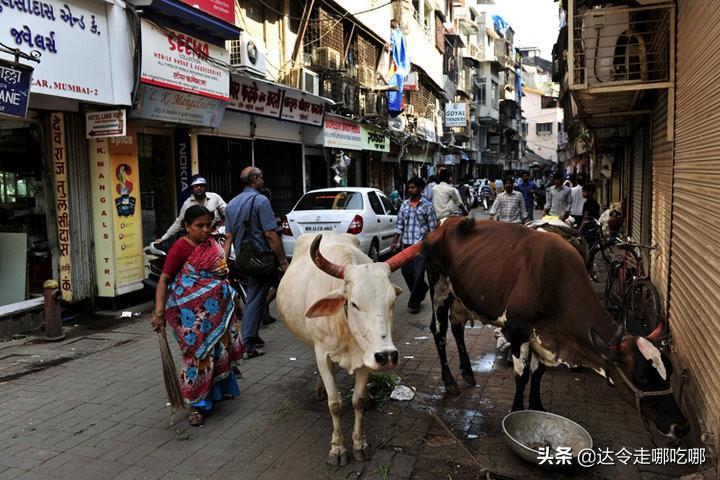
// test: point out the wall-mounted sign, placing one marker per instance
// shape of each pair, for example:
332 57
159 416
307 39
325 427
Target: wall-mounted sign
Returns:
374 140
110 123
222 9
58 157
178 61
68 34
182 165
14 88
456 114
298 107
340 133
252 96
178 107
117 219
268 99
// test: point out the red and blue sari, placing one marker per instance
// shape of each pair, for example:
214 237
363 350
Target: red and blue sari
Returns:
200 309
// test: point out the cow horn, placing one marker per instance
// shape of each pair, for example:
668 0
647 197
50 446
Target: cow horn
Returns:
407 255
323 263
654 336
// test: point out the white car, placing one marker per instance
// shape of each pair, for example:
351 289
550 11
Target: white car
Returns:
364 212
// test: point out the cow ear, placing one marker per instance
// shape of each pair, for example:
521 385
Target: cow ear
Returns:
328 304
398 290
651 352
600 345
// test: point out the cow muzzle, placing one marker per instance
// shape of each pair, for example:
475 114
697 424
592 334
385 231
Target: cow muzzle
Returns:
386 359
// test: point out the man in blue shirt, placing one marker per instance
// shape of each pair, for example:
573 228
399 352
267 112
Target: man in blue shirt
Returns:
253 207
415 219
528 188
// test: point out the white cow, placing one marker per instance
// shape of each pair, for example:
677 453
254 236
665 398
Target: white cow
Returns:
342 305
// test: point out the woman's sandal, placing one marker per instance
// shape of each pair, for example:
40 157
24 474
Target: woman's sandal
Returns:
195 418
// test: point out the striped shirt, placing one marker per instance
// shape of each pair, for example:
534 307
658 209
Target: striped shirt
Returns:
413 223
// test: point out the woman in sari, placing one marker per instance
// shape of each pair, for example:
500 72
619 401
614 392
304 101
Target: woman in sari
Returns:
195 298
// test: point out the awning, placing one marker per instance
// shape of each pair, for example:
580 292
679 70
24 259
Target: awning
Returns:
186 17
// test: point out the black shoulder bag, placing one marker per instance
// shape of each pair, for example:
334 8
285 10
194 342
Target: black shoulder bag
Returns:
250 260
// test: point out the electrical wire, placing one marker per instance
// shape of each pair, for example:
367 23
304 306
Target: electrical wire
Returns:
272 9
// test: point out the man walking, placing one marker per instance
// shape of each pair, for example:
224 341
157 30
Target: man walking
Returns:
446 198
429 187
576 192
527 188
558 198
250 217
509 205
200 196
415 219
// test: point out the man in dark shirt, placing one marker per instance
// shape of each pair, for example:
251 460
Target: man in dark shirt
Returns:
590 228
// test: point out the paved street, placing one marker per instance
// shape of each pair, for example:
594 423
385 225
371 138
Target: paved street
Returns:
103 415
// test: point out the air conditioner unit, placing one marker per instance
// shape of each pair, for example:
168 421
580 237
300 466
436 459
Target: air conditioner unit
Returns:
373 104
309 81
600 34
247 55
366 76
327 58
350 97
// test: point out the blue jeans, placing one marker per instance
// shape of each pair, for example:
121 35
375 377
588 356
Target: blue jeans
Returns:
256 290
414 275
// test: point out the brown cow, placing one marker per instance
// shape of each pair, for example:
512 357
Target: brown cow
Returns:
534 285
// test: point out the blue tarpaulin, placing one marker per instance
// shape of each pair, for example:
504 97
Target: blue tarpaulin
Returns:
399 68
500 24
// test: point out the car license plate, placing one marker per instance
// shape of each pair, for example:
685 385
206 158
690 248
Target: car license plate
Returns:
320 228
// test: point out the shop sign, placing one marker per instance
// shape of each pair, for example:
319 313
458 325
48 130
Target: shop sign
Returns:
117 218
297 107
374 140
110 123
339 133
178 107
222 9
68 34
14 88
251 96
456 114
178 61
182 165
58 157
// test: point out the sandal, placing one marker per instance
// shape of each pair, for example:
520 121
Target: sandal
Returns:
195 418
254 353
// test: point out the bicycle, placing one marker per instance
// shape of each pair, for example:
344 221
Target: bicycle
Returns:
629 293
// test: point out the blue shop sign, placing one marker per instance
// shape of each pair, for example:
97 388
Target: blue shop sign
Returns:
14 88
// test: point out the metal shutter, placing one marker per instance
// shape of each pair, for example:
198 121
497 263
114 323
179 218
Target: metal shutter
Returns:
695 241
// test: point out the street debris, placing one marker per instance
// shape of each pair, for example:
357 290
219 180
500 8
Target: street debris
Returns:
402 393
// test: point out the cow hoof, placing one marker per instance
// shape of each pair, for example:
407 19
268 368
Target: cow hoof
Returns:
469 378
452 389
361 455
338 459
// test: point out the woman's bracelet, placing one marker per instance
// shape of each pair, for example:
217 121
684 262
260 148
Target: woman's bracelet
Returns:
159 313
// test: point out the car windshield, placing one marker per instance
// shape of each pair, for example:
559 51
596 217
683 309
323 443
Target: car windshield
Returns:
331 200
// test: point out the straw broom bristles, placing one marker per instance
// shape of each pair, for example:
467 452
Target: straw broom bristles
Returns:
172 385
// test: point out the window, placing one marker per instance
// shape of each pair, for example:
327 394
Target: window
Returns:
331 200
375 204
494 93
560 127
389 209
544 128
482 91
548 102
525 129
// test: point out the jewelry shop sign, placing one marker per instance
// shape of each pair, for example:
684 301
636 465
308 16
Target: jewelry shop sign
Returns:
68 34
14 88
174 60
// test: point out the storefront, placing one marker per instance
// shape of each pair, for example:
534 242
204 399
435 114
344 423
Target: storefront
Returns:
45 225
264 125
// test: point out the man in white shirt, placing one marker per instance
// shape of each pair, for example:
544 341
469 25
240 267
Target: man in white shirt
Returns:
200 196
446 198
576 211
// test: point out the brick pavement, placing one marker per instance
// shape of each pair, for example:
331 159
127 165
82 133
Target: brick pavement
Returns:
104 416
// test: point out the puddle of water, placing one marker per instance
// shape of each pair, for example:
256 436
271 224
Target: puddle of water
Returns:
484 363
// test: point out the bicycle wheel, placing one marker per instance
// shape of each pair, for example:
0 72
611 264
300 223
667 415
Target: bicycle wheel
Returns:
642 308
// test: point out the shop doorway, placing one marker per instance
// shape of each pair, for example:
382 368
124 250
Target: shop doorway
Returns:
281 163
24 250
157 185
221 160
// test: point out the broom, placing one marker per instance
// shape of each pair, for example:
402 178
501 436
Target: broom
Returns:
172 385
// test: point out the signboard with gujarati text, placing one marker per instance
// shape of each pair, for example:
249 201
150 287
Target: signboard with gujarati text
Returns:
117 218
181 62
375 140
68 34
251 96
59 167
298 107
14 88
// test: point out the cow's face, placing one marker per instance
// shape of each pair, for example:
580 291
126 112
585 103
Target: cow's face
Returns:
368 297
649 370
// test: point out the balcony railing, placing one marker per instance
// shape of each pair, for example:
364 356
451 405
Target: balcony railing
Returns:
620 48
